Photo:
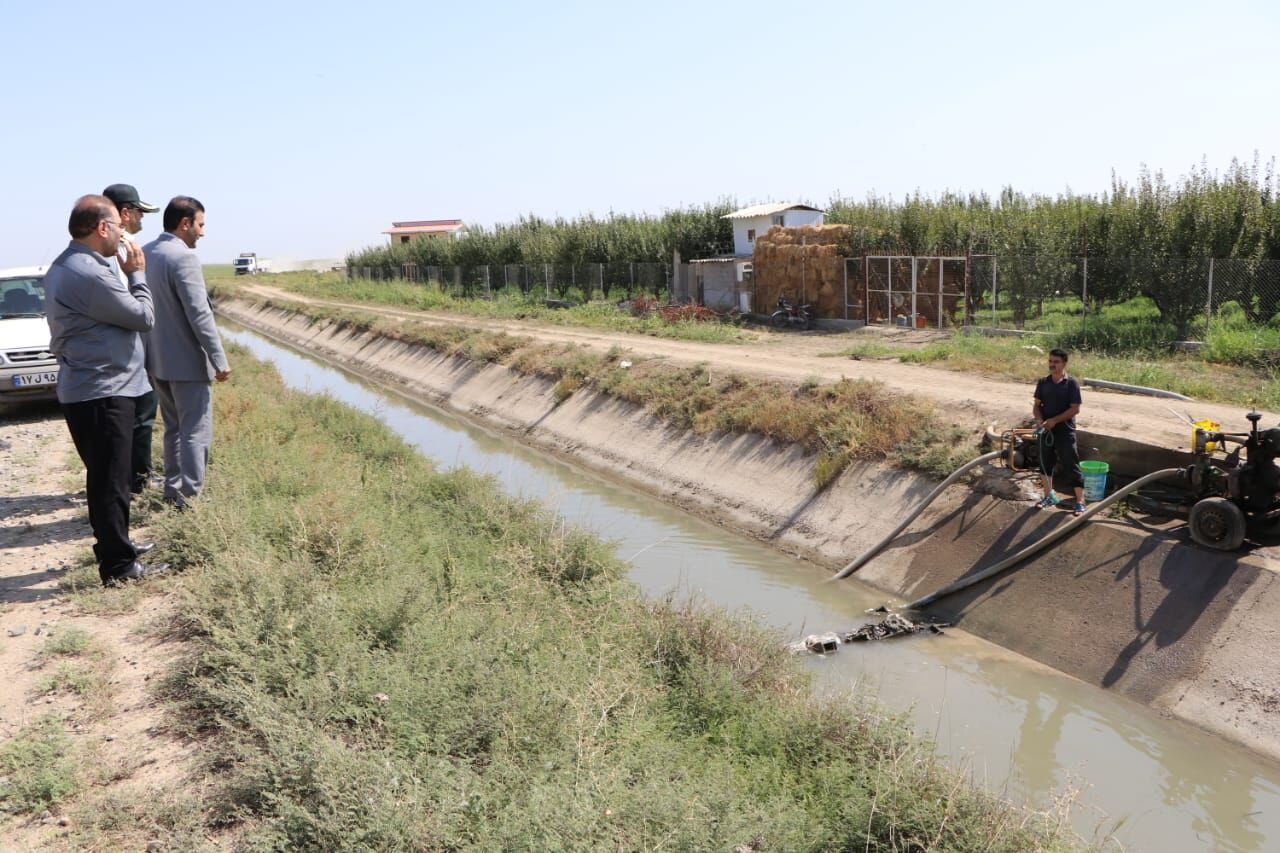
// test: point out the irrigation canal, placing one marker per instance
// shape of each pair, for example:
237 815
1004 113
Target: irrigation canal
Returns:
1016 726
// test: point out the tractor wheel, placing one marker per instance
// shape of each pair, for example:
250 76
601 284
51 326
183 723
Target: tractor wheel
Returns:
1217 523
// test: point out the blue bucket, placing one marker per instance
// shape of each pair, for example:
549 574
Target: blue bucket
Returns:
1095 479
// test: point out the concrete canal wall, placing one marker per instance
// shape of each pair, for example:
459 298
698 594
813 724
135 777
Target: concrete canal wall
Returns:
1139 611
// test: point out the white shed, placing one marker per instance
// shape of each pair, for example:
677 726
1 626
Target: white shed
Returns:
751 222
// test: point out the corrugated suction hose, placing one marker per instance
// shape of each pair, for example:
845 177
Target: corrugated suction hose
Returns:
1044 541
879 546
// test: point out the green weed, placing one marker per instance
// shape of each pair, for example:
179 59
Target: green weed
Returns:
69 679
68 642
39 766
402 658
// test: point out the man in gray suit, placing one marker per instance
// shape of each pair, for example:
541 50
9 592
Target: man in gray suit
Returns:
185 352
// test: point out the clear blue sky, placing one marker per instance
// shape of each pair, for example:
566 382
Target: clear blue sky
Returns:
305 128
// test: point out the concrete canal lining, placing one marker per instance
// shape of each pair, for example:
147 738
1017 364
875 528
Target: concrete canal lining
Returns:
1183 630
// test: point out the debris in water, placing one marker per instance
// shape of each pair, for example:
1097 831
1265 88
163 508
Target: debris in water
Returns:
822 644
893 625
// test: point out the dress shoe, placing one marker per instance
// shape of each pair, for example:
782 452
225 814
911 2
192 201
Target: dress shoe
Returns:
140 548
136 572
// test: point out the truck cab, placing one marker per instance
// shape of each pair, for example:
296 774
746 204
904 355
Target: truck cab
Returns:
249 264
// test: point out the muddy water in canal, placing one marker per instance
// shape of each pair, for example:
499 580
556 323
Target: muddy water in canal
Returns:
1143 782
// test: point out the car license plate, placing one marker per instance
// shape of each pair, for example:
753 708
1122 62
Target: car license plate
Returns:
25 380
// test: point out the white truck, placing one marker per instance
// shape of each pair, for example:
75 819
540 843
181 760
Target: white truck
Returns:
250 264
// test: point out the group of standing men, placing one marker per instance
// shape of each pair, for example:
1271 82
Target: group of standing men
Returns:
133 331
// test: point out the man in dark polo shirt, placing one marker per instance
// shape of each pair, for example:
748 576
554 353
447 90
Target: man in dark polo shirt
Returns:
1057 402
94 321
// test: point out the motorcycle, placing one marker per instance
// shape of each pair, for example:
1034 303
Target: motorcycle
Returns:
790 316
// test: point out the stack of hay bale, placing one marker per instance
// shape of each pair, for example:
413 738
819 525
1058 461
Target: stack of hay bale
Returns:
804 264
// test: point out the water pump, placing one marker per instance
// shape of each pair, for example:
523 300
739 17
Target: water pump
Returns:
1233 492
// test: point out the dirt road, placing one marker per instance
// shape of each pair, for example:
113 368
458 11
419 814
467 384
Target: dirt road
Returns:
971 399
83 661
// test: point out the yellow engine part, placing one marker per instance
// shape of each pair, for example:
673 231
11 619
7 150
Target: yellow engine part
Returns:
1204 426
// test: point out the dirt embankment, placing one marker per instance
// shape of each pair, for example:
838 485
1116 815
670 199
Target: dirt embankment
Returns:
1131 608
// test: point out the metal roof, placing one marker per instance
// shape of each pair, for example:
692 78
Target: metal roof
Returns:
768 210
424 226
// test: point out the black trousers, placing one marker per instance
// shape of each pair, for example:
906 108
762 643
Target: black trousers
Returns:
1058 451
102 430
144 421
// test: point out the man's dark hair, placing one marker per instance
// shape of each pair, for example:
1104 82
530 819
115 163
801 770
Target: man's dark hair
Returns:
1061 353
180 207
88 212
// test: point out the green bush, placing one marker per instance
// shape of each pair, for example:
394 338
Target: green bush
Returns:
1230 343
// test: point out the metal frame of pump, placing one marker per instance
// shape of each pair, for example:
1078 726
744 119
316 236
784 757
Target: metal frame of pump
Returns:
1231 493
1019 448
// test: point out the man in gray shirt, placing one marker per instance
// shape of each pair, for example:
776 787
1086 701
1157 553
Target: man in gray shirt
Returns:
94 321
185 353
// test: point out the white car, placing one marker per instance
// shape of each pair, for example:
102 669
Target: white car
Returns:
28 371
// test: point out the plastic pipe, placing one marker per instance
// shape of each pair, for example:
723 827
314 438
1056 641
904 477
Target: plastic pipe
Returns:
1043 542
879 546
1137 389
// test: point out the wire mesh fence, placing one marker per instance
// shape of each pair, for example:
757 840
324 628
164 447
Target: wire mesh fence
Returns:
567 282
1091 301
1156 299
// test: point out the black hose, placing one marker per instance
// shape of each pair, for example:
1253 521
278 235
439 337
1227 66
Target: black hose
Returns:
879 546
1048 539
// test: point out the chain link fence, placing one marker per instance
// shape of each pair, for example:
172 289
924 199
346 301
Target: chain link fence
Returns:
566 282
1109 302
1122 301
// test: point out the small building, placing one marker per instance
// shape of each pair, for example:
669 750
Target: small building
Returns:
403 232
752 222
719 282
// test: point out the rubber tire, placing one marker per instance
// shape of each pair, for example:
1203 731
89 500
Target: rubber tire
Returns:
778 320
1217 523
1154 506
